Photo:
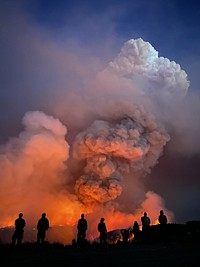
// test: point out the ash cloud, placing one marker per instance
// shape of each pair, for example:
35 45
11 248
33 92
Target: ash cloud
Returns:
113 149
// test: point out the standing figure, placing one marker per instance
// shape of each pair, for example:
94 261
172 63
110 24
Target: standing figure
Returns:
162 218
82 228
19 230
136 232
145 226
145 221
102 230
42 227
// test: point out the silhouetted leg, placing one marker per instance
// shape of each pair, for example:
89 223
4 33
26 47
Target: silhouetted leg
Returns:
19 241
20 237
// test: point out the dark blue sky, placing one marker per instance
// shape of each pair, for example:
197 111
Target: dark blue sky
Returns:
99 28
49 47
170 26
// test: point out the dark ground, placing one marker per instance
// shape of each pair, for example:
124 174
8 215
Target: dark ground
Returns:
181 254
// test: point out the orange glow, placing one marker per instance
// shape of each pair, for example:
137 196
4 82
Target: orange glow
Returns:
63 213
35 178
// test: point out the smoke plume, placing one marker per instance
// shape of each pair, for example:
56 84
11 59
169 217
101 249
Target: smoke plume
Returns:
98 168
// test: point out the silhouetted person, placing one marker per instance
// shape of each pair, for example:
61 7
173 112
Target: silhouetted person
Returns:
162 226
145 226
102 230
136 232
82 228
162 218
42 227
19 230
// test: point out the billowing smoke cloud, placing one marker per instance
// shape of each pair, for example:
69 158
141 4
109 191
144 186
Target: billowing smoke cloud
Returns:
111 149
30 162
159 76
47 168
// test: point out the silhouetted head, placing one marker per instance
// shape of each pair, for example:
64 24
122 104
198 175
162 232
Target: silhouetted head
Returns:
102 219
145 214
82 215
43 214
161 212
21 215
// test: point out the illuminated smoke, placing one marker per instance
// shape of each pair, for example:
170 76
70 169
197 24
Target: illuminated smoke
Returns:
159 76
113 148
32 166
99 170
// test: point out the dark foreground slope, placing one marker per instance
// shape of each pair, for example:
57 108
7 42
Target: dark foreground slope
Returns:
150 254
